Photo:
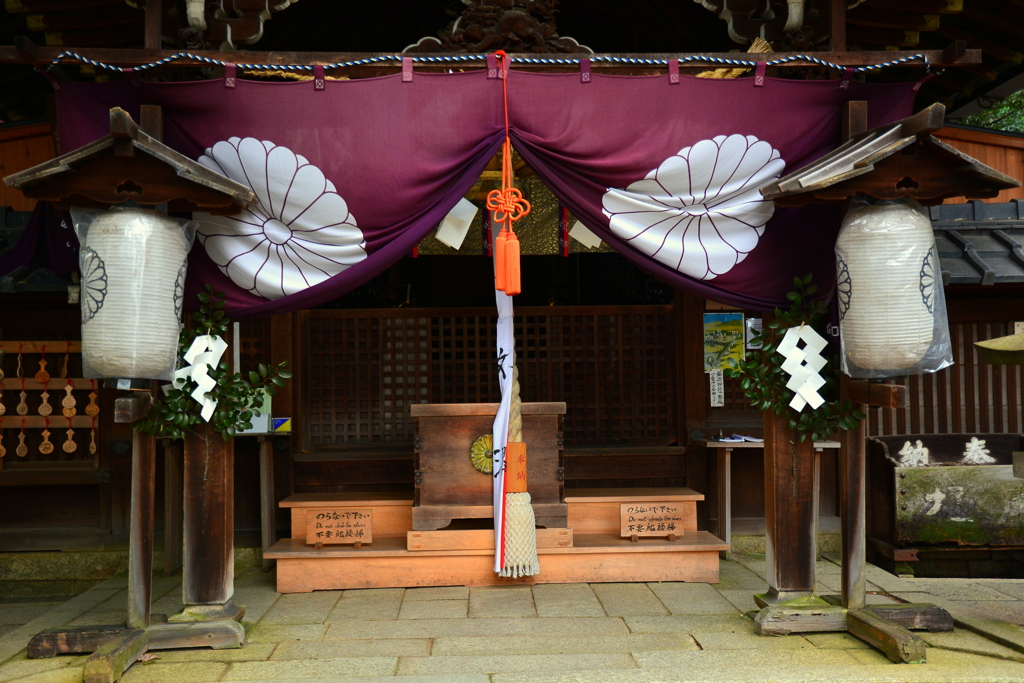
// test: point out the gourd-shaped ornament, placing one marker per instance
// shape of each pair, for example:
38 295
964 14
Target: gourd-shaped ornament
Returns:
92 410
68 403
46 447
45 408
70 446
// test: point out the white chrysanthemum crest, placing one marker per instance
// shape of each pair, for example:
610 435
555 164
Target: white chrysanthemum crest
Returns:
299 233
700 212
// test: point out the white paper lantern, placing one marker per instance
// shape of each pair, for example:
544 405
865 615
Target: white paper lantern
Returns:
133 264
887 265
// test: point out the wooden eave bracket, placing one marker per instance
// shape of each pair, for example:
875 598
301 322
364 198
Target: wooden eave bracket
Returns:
131 408
877 395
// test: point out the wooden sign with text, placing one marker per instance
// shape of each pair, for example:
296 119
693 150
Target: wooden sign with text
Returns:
651 519
339 526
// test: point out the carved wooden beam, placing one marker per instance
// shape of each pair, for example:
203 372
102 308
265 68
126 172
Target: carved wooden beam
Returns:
878 395
131 408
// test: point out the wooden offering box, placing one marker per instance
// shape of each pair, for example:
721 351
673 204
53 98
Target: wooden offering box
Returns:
449 487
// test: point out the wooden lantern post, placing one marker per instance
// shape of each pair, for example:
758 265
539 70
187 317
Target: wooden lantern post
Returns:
894 161
132 164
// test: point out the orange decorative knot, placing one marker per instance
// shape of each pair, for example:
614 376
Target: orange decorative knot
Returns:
507 204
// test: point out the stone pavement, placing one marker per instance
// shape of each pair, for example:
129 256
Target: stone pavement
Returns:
615 633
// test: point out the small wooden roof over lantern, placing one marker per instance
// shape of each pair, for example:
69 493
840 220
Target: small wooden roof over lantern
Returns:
131 165
901 159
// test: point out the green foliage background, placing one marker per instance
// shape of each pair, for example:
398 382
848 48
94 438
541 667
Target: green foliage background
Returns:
1007 115
238 398
764 381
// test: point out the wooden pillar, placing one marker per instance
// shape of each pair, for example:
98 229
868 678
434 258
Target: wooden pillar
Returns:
724 462
837 25
268 508
173 494
853 520
791 544
852 463
208 518
691 387
153 24
140 564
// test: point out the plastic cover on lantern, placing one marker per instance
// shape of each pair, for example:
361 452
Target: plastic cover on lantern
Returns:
133 262
892 309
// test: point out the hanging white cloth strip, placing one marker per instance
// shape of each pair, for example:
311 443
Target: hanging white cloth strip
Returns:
505 346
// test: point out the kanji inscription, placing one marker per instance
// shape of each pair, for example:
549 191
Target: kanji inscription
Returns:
339 525
651 519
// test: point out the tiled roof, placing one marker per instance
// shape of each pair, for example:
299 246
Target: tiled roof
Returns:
980 243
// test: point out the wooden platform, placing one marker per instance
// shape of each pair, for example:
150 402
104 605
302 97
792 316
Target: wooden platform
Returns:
590 551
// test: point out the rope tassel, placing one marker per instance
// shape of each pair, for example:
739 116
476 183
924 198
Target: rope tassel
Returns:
512 280
500 260
520 537
520 523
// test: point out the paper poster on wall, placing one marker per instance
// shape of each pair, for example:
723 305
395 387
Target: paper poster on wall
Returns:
723 339
753 326
717 389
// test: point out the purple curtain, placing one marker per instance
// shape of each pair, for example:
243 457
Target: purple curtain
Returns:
700 140
49 240
352 176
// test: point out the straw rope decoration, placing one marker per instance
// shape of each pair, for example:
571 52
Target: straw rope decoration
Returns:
759 45
520 523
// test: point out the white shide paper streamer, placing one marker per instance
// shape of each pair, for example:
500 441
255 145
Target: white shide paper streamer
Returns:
205 353
584 236
455 225
803 365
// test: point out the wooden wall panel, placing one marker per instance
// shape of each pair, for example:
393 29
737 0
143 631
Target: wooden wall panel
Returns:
22 147
614 367
968 397
1004 153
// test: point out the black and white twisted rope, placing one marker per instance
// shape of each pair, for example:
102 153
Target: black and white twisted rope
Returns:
452 59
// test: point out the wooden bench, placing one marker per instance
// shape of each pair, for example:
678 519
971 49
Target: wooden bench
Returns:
723 452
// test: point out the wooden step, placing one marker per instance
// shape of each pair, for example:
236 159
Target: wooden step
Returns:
387 563
480 539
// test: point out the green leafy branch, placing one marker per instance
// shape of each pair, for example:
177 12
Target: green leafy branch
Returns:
239 398
763 380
